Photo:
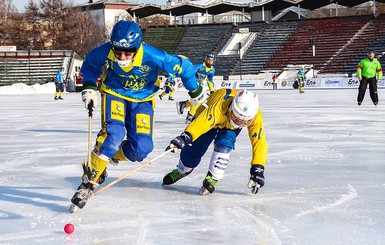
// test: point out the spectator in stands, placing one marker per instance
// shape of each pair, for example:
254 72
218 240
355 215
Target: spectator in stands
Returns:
301 75
204 72
369 71
128 70
59 83
168 88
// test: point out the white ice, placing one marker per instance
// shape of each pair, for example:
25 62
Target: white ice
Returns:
325 179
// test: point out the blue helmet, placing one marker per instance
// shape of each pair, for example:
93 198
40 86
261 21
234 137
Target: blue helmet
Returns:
210 55
126 35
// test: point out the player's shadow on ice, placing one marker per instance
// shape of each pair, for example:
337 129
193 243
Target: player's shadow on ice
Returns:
182 122
155 186
30 195
60 131
193 190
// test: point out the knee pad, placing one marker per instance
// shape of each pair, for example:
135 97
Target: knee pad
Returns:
218 164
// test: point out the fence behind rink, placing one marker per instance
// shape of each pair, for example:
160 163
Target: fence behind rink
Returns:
311 83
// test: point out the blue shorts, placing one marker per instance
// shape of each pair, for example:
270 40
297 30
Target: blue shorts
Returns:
224 139
126 119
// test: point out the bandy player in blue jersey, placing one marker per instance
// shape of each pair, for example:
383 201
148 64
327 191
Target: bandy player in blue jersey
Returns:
129 72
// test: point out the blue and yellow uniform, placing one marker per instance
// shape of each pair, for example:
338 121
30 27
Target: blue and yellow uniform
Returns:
128 72
203 72
212 123
169 88
301 79
221 120
59 83
128 96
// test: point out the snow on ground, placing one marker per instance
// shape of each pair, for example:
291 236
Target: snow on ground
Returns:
324 177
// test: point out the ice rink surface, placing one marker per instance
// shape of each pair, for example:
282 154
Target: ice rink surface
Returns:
325 179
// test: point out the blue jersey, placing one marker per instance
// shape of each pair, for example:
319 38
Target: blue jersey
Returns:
139 81
301 74
170 81
60 77
202 72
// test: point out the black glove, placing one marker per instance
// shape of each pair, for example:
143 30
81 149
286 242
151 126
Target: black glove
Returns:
179 142
257 180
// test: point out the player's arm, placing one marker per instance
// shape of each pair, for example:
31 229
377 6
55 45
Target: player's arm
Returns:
379 72
210 81
359 70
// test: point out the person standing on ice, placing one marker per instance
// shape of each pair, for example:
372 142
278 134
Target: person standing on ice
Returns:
301 75
227 113
367 70
129 82
168 88
59 84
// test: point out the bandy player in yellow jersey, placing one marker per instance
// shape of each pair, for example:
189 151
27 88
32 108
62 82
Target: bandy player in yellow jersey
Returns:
226 113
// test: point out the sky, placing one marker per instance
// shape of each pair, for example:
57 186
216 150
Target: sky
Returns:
324 176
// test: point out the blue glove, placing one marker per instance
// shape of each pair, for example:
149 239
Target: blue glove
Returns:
179 142
257 180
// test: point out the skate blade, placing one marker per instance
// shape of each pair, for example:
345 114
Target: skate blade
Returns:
73 208
203 191
177 108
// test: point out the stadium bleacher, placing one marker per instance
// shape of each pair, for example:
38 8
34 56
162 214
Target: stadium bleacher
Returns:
38 66
329 35
340 43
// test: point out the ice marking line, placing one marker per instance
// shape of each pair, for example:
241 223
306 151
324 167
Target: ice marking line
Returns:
259 221
344 198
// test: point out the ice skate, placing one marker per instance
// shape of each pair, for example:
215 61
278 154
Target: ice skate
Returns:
189 118
180 107
209 184
174 176
81 196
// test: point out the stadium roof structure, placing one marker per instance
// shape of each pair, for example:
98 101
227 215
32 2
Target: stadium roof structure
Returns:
225 6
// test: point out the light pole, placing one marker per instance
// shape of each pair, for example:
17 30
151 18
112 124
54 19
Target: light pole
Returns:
240 59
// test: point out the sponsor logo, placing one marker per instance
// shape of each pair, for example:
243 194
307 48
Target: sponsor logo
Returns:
283 83
117 110
267 83
332 82
310 83
352 82
144 69
225 84
247 85
143 123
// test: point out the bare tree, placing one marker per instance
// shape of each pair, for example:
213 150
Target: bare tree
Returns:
82 33
155 20
7 10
